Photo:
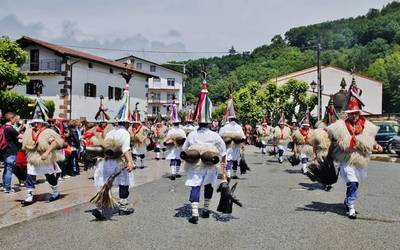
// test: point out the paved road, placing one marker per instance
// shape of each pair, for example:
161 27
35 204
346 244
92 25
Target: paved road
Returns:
283 210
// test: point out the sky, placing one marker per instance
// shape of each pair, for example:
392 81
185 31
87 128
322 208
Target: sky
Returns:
187 26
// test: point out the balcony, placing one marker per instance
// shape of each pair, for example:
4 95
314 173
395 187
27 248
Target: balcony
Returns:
160 101
47 65
162 84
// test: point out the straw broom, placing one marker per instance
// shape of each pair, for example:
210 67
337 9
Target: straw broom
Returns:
103 198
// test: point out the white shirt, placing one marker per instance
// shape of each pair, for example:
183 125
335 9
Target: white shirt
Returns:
206 137
175 152
233 151
121 135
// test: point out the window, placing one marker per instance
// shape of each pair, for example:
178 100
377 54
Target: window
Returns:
156 110
90 90
171 81
90 65
34 60
111 71
139 65
34 86
110 92
118 93
170 97
152 68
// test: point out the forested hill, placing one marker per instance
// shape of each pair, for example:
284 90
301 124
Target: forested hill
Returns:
370 43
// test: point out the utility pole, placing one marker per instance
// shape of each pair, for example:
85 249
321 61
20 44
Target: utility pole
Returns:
319 90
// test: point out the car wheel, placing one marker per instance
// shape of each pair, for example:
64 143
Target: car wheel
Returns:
389 148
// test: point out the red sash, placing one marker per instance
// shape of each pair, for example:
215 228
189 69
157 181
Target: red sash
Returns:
356 130
304 133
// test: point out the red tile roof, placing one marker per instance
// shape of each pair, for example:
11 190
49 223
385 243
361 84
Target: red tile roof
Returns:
25 41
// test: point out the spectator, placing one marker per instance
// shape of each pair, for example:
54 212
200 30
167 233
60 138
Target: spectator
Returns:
10 152
73 140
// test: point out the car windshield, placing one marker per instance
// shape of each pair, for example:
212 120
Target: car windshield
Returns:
385 128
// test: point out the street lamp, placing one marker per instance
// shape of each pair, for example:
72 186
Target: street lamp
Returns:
313 86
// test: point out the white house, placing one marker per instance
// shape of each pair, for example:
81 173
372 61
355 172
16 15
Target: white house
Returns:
161 89
331 78
75 80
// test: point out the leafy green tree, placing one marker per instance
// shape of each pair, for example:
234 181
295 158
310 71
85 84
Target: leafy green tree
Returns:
11 58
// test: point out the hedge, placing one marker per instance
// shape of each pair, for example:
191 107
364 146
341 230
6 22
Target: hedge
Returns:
21 105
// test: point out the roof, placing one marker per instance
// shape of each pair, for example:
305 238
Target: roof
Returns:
64 51
314 69
136 57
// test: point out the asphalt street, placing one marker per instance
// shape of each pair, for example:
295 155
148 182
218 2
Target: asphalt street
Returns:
282 209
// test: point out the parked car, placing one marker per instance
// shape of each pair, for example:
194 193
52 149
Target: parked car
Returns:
396 144
387 131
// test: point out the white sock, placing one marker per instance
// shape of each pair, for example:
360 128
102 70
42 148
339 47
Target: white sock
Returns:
158 155
206 203
177 169
172 169
234 172
195 209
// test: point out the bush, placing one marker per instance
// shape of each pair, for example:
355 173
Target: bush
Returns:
21 105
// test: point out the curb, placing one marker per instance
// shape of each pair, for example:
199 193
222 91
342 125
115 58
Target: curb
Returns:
385 159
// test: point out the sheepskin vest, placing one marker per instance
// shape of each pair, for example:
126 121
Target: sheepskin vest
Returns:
35 148
359 155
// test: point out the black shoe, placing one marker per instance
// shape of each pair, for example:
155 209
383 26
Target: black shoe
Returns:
126 211
26 203
235 177
205 214
163 158
328 188
52 198
178 176
194 219
99 216
157 159
172 177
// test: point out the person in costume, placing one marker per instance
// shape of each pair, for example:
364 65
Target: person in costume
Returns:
139 138
281 137
263 134
301 142
42 146
189 127
174 140
353 141
97 135
117 141
320 139
202 151
248 129
159 131
233 136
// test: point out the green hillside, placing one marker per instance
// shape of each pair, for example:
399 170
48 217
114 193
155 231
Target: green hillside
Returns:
370 43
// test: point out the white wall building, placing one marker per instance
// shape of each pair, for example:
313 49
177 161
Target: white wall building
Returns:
161 89
75 80
331 77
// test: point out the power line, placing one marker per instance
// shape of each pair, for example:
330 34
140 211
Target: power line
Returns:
146 51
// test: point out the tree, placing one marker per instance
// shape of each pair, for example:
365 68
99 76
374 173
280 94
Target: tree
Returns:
11 58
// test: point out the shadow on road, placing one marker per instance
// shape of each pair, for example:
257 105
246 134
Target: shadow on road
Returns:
311 186
321 207
186 212
293 171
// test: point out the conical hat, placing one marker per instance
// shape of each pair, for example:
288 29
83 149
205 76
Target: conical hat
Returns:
124 114
281 119
204 106
136 114
230 110
40 111
330 115
101 115
189 116
305 122
174 114
354 103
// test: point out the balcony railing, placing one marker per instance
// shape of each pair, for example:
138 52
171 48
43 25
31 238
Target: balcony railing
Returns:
160 101
43 65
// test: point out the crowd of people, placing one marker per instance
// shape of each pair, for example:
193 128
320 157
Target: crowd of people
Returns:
206 148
